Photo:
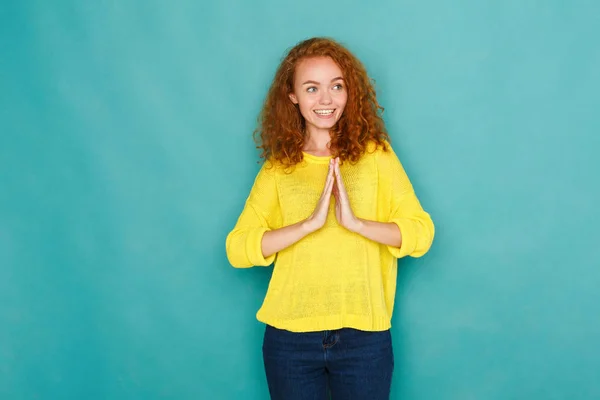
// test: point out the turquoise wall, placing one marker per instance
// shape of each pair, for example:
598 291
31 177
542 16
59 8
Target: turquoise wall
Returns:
126 156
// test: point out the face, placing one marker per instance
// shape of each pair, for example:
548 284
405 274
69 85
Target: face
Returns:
320 92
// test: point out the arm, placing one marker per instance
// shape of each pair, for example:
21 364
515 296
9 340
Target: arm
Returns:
410 232
259 235
280 239
397 197
404 227
386 233
261 213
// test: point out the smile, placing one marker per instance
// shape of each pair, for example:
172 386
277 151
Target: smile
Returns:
324 112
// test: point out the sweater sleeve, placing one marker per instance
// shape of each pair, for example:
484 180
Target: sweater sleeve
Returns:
401 206
261 213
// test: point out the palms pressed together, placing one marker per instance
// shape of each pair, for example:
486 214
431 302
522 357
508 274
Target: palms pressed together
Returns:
343 209
334 185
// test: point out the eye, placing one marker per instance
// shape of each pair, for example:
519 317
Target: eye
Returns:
311 89
338 87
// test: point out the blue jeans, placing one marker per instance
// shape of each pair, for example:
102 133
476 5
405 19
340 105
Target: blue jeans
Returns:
347 363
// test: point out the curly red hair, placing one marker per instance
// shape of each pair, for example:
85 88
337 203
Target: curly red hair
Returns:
280 131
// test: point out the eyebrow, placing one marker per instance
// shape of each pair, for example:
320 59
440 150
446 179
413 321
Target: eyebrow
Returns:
316 83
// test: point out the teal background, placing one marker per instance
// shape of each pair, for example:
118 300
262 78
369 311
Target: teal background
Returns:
126 156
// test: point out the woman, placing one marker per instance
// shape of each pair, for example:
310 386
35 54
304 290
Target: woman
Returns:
330 299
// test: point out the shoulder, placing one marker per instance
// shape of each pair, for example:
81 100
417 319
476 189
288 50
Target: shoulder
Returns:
379 152
270 168
264 186
271 172
385 160
265 175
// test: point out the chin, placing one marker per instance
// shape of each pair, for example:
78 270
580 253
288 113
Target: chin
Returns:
327 125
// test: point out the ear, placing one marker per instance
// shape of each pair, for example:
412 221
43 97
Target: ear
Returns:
293 98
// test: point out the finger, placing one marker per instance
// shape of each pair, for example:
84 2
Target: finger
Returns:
336 170
338 173
340 184
330 184
327 189
330 173
329 178
326 195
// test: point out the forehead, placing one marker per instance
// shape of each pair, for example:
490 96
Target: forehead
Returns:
320 69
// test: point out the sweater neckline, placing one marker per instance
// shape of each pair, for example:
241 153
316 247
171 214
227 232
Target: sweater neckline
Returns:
316 159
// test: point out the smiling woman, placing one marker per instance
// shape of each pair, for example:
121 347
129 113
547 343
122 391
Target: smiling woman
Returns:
330 300
321 97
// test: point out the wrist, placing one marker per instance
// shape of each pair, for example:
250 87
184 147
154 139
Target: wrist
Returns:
358 226
307 226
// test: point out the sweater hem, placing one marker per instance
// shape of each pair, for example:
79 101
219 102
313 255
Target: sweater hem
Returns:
331 322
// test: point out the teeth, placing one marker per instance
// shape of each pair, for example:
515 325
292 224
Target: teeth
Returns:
324 112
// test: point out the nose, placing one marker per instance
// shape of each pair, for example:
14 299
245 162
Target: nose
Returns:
325 97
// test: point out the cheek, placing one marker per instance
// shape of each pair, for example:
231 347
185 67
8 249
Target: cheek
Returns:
303 107
343 99
306 104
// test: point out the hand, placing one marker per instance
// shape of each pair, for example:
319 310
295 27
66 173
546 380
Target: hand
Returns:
319 216
343 210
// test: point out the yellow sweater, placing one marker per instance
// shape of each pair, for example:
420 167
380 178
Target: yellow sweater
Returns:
332 278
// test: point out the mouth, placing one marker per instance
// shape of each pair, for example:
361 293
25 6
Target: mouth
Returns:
324 113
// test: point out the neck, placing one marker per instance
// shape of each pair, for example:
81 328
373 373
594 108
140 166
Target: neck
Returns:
317 140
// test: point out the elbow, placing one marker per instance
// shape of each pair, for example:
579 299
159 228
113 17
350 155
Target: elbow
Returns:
237 262
417 236
244 250
426 235
235 252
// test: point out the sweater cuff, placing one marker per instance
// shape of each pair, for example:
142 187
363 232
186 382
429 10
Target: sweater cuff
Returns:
254 250
409 238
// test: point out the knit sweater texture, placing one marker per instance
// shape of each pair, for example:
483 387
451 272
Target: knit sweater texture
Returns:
332 278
